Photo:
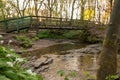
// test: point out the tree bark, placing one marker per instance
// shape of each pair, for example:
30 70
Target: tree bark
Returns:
108 56
82 10
73 4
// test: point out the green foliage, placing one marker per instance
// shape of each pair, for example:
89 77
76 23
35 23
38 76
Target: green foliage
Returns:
4 78
88 76
82 35
42 34
67 75
86 36
66 78
61 72
72 74
25 41
112 77
71 34
35 38
49 34
10 67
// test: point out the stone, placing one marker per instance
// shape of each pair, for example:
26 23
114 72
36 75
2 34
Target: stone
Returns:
48 61
33 58
90 49
42 61
39 62
42 69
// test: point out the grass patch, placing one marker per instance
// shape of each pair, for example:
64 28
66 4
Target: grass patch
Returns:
25 42
49 34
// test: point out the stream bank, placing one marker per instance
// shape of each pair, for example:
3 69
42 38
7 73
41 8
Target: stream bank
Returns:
80 61
50 56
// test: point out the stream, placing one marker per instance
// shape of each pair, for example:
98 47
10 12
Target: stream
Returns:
78 58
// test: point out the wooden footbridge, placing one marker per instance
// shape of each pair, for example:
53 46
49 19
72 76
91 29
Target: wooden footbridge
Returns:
41 22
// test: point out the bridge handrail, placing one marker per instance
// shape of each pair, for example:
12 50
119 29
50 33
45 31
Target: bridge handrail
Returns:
42 17
13 19
50 17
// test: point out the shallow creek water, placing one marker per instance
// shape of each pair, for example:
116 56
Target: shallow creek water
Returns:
85 65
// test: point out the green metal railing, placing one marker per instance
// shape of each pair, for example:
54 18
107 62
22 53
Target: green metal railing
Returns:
15 24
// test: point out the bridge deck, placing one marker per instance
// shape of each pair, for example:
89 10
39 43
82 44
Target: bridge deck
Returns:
41 22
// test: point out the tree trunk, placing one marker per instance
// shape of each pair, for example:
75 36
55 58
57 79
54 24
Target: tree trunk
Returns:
50 12
108 56
82 10
61 9
73 4
111 1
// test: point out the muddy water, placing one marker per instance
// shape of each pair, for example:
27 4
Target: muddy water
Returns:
58 49
84 65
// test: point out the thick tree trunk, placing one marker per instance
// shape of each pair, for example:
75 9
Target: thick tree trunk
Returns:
108 56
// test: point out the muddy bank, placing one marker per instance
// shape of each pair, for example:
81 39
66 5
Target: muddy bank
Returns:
44 44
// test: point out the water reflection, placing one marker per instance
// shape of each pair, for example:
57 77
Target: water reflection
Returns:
83 62
95 61
72 63
56 49
86 62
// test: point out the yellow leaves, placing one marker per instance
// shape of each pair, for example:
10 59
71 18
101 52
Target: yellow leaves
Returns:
88 14
106 15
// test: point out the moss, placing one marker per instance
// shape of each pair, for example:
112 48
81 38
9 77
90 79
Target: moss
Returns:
108 42
108 61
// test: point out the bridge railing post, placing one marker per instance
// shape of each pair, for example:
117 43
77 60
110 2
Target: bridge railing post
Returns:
6 25
60 22
70 22
30 21
17 26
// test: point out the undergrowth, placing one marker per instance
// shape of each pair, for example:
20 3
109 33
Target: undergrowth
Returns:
81 35
25 42
10 67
